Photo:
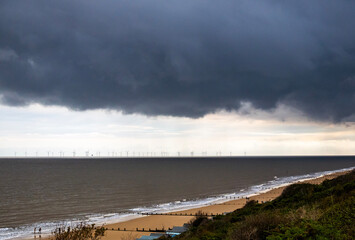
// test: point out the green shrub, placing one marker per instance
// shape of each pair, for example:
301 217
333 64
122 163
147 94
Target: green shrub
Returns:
256 226
305 229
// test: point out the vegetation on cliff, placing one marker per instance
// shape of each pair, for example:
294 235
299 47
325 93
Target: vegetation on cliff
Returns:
303 211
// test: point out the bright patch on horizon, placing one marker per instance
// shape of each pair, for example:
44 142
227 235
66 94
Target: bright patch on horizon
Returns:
40 130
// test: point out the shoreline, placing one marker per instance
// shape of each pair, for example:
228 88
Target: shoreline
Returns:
166 221
214 205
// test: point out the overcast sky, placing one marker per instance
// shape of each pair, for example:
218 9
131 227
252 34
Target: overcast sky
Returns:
269 77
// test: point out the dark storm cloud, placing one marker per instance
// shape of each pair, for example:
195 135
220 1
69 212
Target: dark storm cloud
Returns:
180 58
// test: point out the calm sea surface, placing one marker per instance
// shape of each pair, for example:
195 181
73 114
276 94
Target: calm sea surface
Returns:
46 191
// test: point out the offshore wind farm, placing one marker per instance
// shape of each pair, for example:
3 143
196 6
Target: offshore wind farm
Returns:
122 154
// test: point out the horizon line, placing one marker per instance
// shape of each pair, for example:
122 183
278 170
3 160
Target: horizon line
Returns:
174 156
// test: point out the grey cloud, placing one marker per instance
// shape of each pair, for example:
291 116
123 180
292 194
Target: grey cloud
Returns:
7 55
180 58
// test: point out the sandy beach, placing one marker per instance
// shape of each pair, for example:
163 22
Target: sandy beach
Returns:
167 221
162 221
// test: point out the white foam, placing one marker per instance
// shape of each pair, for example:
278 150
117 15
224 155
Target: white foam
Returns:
251 191
26 232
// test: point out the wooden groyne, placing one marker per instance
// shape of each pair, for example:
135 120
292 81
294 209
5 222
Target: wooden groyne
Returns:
178 214
139 230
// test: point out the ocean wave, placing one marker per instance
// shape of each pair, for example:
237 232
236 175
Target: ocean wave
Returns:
26 232
243 193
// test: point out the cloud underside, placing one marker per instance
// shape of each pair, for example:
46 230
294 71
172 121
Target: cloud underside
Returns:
180 58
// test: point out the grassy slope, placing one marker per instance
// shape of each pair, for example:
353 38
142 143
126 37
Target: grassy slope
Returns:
303 211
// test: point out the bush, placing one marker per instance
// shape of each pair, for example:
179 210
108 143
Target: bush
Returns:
305 229
198 220
79 232
256 226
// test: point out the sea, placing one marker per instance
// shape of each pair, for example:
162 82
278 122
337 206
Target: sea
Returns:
52 192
